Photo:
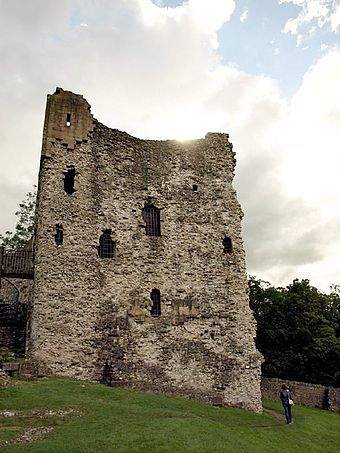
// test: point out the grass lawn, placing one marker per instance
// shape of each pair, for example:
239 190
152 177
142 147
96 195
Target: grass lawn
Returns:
79 417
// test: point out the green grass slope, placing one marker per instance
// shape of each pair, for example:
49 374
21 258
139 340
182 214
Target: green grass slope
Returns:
79 417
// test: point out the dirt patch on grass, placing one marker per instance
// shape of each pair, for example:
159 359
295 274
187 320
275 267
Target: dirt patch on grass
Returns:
276 414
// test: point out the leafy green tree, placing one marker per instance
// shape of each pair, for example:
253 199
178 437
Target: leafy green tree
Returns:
298 331
25 224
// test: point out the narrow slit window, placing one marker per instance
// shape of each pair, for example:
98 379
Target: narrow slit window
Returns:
59 235
106 248
69 176
151 216
68 120
156 303
227 245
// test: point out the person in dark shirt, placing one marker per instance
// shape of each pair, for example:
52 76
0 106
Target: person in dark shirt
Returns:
287 402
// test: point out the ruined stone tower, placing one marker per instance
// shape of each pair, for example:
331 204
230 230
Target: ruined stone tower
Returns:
139 265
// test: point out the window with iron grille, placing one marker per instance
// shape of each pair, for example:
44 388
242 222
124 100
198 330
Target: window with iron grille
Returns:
106 248
156 302
151 216
59 234
227 245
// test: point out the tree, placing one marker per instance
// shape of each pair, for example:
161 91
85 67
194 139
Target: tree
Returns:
298 331
25 224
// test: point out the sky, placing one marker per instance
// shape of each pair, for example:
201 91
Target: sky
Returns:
265 71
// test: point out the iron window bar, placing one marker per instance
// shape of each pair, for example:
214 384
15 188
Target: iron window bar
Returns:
156 303
106 248
151 216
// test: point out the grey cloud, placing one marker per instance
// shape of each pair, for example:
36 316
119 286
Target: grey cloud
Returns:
28 17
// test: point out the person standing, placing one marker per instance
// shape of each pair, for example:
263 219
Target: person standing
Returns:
287 402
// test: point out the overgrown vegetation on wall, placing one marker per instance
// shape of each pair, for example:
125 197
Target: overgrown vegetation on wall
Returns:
298 331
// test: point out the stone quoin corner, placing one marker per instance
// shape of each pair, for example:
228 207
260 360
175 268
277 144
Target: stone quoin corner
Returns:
139 269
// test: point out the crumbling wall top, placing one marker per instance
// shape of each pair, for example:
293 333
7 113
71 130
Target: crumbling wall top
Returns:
68 119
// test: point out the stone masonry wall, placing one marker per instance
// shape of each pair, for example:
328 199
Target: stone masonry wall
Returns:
89 311
312 395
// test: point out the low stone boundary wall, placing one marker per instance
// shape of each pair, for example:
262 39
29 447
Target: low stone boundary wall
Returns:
312 395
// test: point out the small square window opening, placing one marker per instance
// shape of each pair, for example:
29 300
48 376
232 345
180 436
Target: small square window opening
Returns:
227 245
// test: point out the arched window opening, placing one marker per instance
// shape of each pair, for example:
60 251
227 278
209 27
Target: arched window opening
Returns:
227 245
156 303
59 234
69 176
151 216
106 248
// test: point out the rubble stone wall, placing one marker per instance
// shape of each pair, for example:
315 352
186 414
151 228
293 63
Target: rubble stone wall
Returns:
312 395
91 311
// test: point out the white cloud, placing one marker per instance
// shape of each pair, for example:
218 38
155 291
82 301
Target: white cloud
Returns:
291 26
210 16
311 164
318 12
161 77
335 18
244 16
207 16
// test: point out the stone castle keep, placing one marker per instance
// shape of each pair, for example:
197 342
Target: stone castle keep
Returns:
139 264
